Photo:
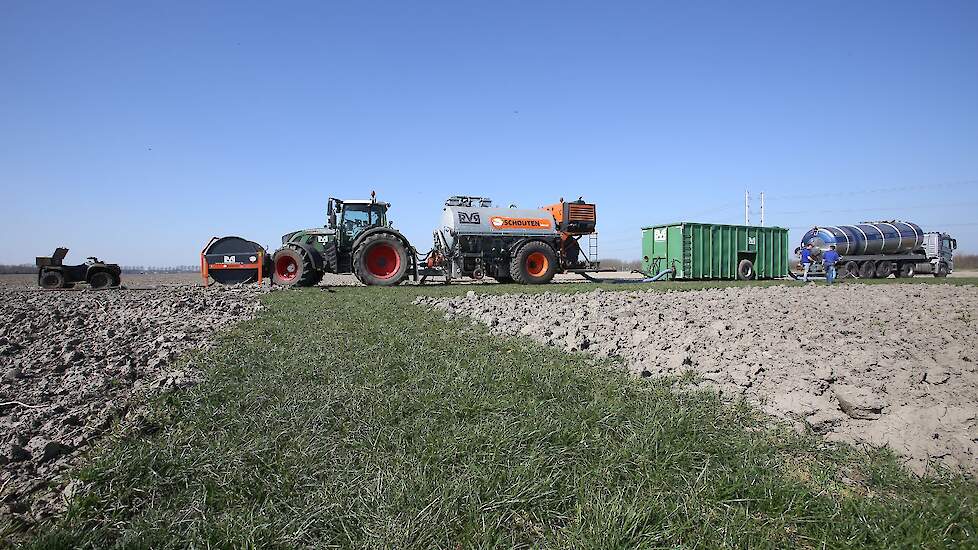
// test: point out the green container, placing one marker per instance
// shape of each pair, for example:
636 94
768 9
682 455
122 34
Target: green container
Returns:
711 251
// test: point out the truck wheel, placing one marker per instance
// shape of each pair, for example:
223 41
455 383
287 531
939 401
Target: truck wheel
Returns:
906 270
381 260
942 270
534 264
867 269
52 279
100 280
293 267
851 269
745 270
883 269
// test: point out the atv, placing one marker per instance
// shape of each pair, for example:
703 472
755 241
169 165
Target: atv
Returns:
51 273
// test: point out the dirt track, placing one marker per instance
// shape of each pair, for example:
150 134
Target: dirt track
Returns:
880 364
73 362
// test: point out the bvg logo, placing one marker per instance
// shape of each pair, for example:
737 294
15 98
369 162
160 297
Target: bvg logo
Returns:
469 217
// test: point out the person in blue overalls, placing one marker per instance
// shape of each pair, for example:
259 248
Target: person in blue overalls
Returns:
829 259
806 261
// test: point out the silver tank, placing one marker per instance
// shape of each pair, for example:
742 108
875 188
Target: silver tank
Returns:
893 237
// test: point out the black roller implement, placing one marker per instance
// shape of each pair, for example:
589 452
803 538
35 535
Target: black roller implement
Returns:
233 260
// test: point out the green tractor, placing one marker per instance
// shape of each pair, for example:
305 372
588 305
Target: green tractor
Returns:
357 239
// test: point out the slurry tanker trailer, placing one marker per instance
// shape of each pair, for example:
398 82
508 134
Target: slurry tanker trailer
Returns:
475 239
879 249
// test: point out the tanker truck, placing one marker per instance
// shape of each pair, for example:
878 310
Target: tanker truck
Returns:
875 250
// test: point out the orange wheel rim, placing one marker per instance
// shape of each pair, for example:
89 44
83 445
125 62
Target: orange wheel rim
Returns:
537 264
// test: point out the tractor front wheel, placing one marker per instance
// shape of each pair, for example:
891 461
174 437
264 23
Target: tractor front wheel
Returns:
534 264
293 267
381 260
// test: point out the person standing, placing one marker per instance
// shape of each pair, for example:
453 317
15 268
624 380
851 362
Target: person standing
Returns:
806 261
829 259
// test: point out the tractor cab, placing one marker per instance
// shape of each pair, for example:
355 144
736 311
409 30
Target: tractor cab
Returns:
350 218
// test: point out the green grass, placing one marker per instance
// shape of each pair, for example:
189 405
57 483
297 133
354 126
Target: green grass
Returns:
351 418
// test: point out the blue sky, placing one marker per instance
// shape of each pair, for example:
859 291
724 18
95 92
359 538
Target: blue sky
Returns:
135 131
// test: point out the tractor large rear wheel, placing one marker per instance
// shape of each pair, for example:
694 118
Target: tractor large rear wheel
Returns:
534 264
381 260
294 267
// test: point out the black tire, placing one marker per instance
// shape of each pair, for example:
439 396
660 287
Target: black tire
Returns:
100 280
745 270
51 279
906 270
851 269
883 269
381 260
317 278
942 270
293 267
535 263
867 269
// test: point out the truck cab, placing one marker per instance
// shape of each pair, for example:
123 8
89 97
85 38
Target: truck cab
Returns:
939 249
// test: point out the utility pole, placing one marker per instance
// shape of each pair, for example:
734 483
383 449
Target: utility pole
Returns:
747 207
762 208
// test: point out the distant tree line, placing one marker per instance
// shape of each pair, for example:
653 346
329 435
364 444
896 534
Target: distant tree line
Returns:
966 261
161 269
20 268
620 265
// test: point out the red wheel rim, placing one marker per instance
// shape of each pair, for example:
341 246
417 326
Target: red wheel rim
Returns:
383 261
537 264
286 268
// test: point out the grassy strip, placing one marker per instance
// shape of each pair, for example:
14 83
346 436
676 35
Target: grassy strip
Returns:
351 418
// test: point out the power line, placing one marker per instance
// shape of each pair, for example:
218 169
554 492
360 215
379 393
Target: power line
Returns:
898 207
836 192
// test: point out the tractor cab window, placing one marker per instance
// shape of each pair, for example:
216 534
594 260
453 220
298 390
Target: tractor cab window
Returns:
359 217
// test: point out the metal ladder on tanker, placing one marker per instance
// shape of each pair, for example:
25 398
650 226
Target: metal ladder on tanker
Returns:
592 249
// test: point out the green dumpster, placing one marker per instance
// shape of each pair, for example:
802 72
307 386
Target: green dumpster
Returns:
715 251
